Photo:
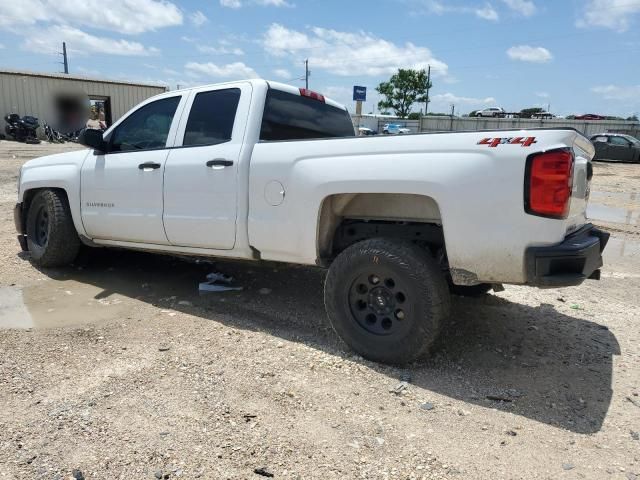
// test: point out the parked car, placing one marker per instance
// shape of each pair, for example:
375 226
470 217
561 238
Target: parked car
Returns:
590 116
491 112
395 129
263 171
364 131
615 147
543 114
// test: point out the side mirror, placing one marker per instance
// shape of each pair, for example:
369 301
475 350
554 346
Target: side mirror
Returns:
93 139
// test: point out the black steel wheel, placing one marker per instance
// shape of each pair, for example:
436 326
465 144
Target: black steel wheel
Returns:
387 299
51 236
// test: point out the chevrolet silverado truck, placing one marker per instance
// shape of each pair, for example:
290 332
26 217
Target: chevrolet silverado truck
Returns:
258 170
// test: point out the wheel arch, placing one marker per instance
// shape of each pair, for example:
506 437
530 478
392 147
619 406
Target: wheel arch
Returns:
383 208
29 194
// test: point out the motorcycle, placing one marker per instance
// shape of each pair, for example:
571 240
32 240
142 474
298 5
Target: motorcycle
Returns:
22 129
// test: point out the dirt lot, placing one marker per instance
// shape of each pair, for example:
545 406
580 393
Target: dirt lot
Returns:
118 369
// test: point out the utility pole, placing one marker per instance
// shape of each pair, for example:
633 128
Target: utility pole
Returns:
64 57
306 74
453 111
426 105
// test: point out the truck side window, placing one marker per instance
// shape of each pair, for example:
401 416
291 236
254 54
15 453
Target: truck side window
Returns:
619 141
211 118
147 128
293 117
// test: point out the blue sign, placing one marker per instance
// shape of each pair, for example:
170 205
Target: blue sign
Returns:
359 94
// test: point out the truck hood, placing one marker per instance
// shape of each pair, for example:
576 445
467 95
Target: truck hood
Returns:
75 157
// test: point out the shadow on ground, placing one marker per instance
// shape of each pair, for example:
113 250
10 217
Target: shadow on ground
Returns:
543 364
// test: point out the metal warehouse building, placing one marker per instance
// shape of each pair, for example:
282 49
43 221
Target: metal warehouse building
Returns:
31 93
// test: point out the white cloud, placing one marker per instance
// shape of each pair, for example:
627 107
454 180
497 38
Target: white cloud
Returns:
526 8
262 3
527 53
1 46
130 17
613 14
82 43
449 98
273 3
438 7
487 13
542 94
198 18
282 73
348 54
235 71
230 3
618 92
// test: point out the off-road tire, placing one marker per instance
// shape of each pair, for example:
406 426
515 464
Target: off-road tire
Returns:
470 290
51 235
409 281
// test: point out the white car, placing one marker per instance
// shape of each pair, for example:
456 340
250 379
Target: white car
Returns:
259 170
491 112
542 115
395 129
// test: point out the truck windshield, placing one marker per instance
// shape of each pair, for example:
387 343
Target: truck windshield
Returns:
293 117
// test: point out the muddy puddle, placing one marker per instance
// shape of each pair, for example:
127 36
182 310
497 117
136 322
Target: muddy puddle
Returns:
54 303
107 289
628 211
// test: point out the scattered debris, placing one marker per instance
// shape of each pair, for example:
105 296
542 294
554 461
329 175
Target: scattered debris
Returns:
217 282
249 416
263 472
185 303
634 401
398 389
264 291
464 413
568 466
576 307
511 433
635 435
164 348
427 406
77 474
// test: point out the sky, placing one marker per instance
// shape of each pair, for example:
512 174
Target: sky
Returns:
576 56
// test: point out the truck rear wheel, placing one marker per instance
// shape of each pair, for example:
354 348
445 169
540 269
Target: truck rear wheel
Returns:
51 235
387 299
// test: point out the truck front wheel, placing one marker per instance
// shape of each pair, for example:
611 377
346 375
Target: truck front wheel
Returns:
51 235
387 299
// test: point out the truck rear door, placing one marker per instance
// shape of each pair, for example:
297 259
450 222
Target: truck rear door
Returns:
200 180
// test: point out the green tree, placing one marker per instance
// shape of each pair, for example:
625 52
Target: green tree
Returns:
414 116
633 118
403 90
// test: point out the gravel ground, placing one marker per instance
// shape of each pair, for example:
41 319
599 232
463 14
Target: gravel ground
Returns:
117 369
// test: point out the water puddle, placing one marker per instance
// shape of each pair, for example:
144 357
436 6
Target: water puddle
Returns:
621 248
605 213
633 197
54 303
108 288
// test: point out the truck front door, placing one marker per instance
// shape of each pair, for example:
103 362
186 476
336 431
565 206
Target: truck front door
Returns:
201 174
121 189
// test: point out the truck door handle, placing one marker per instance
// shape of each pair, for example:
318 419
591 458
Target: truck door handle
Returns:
149 166
219 163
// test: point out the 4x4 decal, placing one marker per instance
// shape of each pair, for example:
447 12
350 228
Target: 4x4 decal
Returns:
494 142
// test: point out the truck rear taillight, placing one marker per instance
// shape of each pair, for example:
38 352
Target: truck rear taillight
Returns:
311 94
548 181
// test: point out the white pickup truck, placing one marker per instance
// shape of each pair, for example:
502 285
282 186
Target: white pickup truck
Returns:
264 171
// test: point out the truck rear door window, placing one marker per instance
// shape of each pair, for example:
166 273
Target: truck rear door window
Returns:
293 117
211 118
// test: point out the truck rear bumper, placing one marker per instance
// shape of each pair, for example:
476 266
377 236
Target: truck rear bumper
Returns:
569 263
18 219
